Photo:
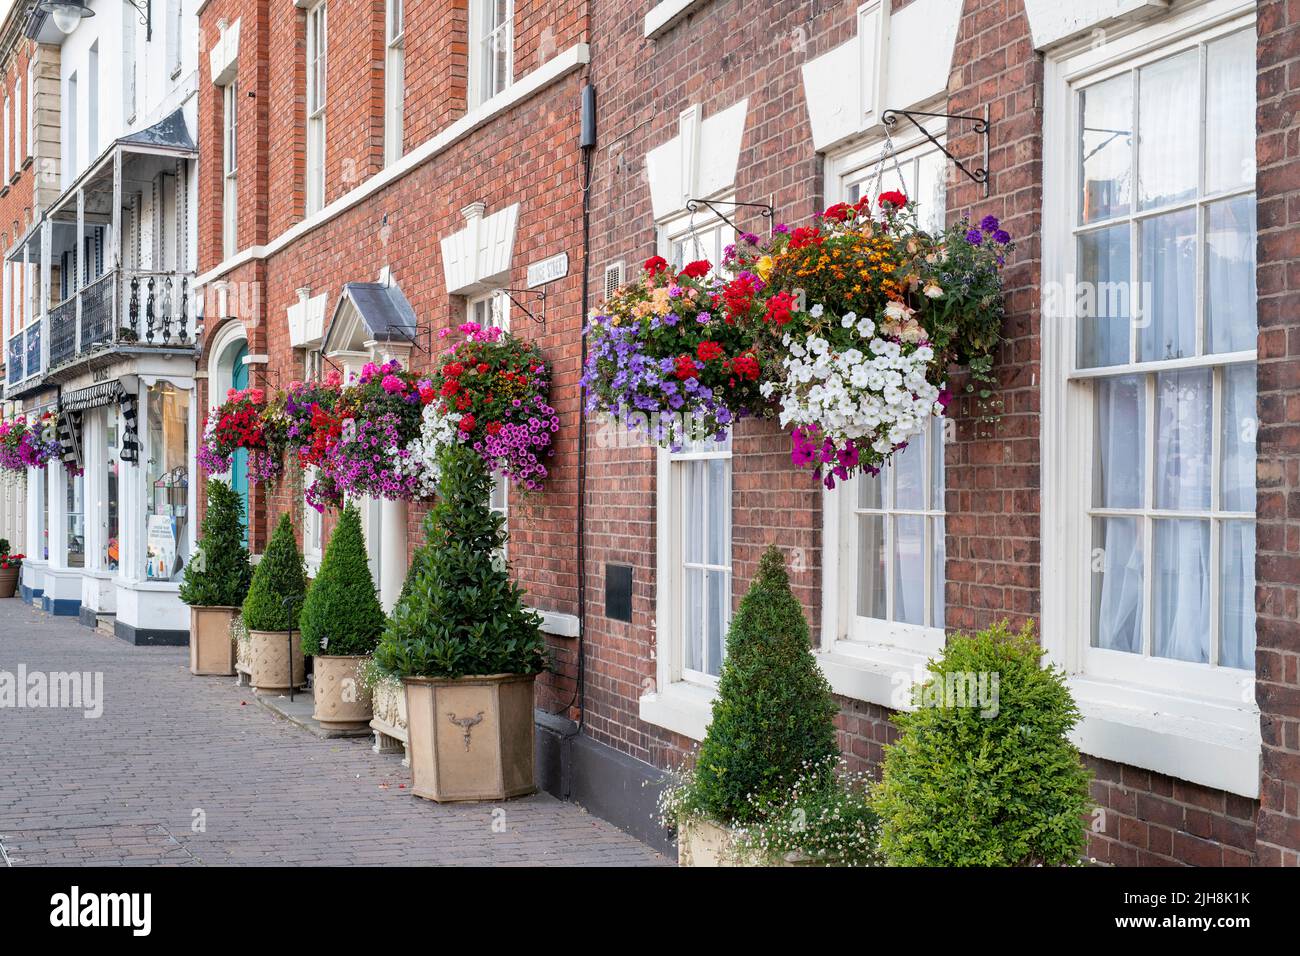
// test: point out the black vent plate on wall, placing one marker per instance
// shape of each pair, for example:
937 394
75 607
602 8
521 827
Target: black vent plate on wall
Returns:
618 592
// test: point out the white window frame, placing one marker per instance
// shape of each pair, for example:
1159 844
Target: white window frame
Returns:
485 36
394 79
174 38
70 128
869 659
317 102
1200 726
681 699
230 170
31 107
92 102
8 147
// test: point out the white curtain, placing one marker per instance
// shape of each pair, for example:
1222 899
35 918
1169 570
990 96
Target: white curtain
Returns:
1117 564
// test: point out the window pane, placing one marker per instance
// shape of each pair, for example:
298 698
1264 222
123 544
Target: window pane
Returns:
1120 442
693 611
1106 114
909 569
1183 429
936 464
1230 112
1230 275
719 612
1239 428
1168 292
1167 131
908 467
937 555
930 194
719 531
167 482
1102 303
1237 596
76 511
871 490
871 566
693 501
1181 591
1116 566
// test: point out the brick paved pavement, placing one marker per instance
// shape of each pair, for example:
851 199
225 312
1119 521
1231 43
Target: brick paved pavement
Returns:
125 788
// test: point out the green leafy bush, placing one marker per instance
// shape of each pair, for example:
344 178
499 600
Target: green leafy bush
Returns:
993 782
773 715
342 615
461 613
4 545
275 597
219 573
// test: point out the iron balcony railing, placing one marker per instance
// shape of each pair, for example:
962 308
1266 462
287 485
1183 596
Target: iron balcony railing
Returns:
23 354
123 307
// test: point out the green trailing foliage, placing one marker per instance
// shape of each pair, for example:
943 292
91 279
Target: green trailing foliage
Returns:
275 597
460 613
986 777
342 615
219 573
773 717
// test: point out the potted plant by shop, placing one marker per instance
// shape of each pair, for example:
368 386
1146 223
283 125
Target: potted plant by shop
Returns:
271 611
216 581
11 567
466 648
341 622
772 726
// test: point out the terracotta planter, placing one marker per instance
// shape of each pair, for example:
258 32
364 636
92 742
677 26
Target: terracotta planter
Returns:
269 651
9 581
342 701
212 649
470 738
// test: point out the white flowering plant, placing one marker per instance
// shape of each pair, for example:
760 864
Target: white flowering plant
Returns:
855 390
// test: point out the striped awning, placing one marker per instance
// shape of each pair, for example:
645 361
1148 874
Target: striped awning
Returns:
72 404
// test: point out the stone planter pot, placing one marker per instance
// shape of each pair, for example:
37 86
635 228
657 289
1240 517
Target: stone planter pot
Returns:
269 652
212 649
9 581
470 738
388 702
342 701
705 843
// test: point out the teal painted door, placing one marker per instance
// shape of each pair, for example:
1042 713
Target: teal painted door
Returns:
239 467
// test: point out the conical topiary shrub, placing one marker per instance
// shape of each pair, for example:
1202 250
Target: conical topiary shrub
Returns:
219 573
341 615
772 719
984 773
275 597
461 614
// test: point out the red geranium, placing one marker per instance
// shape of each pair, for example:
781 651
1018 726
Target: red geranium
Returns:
892 198
686 368
708 351
805 236
656 264
697 269
466 423
838 212
738 296
779 308
745 366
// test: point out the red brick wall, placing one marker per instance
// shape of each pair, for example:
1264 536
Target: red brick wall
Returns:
533 157
1277 563
16 196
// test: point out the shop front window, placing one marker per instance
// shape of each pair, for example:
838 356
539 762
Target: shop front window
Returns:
76 506
167 482
108 508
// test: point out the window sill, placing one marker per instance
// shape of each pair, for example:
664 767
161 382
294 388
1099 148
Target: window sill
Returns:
1214 745
663 15
873 673
683 708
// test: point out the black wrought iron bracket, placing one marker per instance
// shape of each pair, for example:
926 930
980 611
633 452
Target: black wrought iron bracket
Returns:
540 315
765 208
981 127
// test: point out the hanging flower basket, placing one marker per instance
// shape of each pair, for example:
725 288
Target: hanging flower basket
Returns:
856 320
490 391
666 356
26 443
367 436
234 424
